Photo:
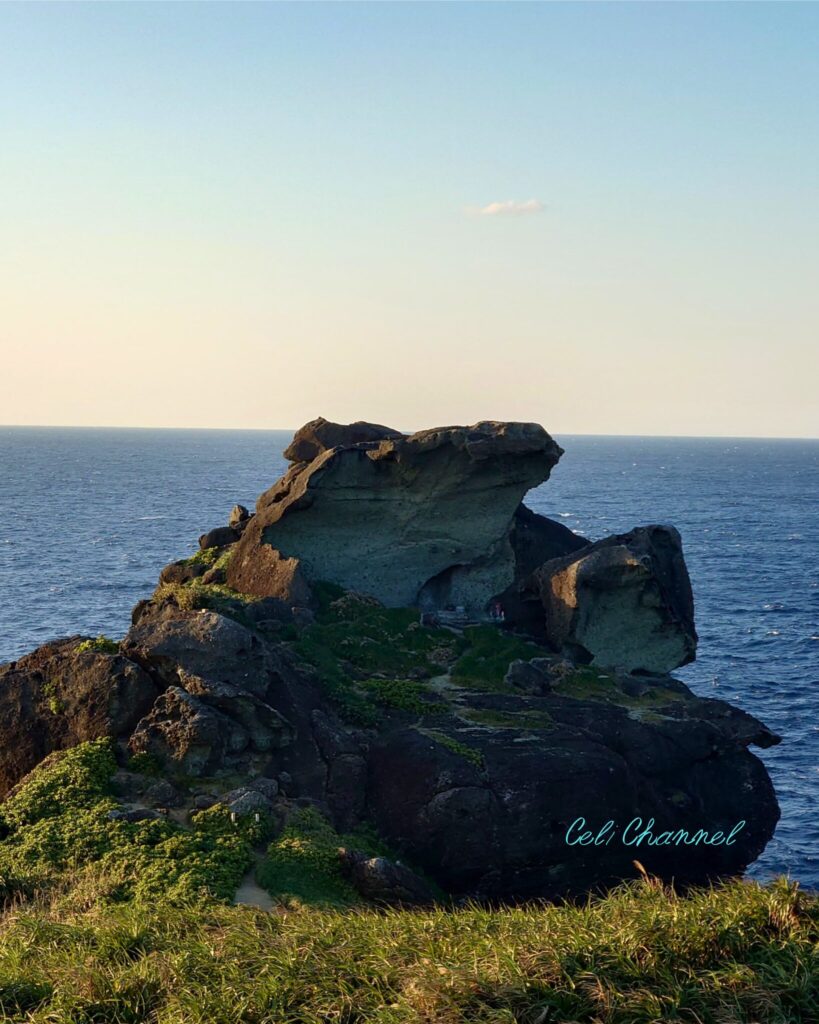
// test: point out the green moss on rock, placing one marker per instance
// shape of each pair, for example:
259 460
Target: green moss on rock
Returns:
461 749
525 719
594 684
488 655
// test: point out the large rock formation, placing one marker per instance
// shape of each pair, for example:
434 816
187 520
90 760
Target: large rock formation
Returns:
625 601
420 520
472 751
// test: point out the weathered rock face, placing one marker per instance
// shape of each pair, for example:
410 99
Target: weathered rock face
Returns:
320 435
419 520
57 697
625 601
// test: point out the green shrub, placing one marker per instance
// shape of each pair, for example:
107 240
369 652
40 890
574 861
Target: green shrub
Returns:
302 863
404 695
58 821
101 644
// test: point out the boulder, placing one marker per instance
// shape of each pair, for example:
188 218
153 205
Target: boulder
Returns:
533 676
239 515
257 568
625 602
202 644
320 435
384 881
182 571
484 809
245 802
57 697
419 520
186 735
218 537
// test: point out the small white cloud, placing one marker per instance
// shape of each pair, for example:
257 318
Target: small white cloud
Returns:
507 208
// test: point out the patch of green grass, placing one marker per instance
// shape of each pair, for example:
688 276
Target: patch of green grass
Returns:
355 637
510 719
302 864
213 596
641 955
489 653
101 644
595 684
404 695
58 822
461 749
204 556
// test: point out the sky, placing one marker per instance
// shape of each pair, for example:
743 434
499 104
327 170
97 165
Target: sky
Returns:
600 217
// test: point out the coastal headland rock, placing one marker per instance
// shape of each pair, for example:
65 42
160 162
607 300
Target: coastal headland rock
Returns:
395 641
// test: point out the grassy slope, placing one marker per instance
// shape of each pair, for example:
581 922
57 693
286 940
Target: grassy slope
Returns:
740 953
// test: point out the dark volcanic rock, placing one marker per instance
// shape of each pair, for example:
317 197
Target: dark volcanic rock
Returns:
625 601
57 697
494 825
381 880
239 516
320 435
412 520
218 537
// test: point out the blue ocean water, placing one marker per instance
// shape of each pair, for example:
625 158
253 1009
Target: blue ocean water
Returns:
88 517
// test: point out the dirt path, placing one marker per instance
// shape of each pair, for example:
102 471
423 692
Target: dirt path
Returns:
251 894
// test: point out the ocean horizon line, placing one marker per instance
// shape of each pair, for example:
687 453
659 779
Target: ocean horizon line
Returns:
283 430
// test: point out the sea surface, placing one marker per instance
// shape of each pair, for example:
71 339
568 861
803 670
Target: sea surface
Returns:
88 517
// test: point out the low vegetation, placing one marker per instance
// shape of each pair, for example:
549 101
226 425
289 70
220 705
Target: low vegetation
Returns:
301 866
60 824
105 920
488 654
642 955
101 645
456 747
214 596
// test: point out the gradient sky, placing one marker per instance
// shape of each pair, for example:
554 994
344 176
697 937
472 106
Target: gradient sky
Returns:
601 217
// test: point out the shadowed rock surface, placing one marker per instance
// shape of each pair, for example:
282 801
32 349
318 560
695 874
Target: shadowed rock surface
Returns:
58 696
320 435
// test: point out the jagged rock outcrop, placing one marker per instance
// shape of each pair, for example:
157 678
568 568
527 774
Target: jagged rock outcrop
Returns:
625 601
320 435
416 520
58 696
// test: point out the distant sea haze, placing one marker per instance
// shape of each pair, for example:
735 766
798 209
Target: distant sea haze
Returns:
89 516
